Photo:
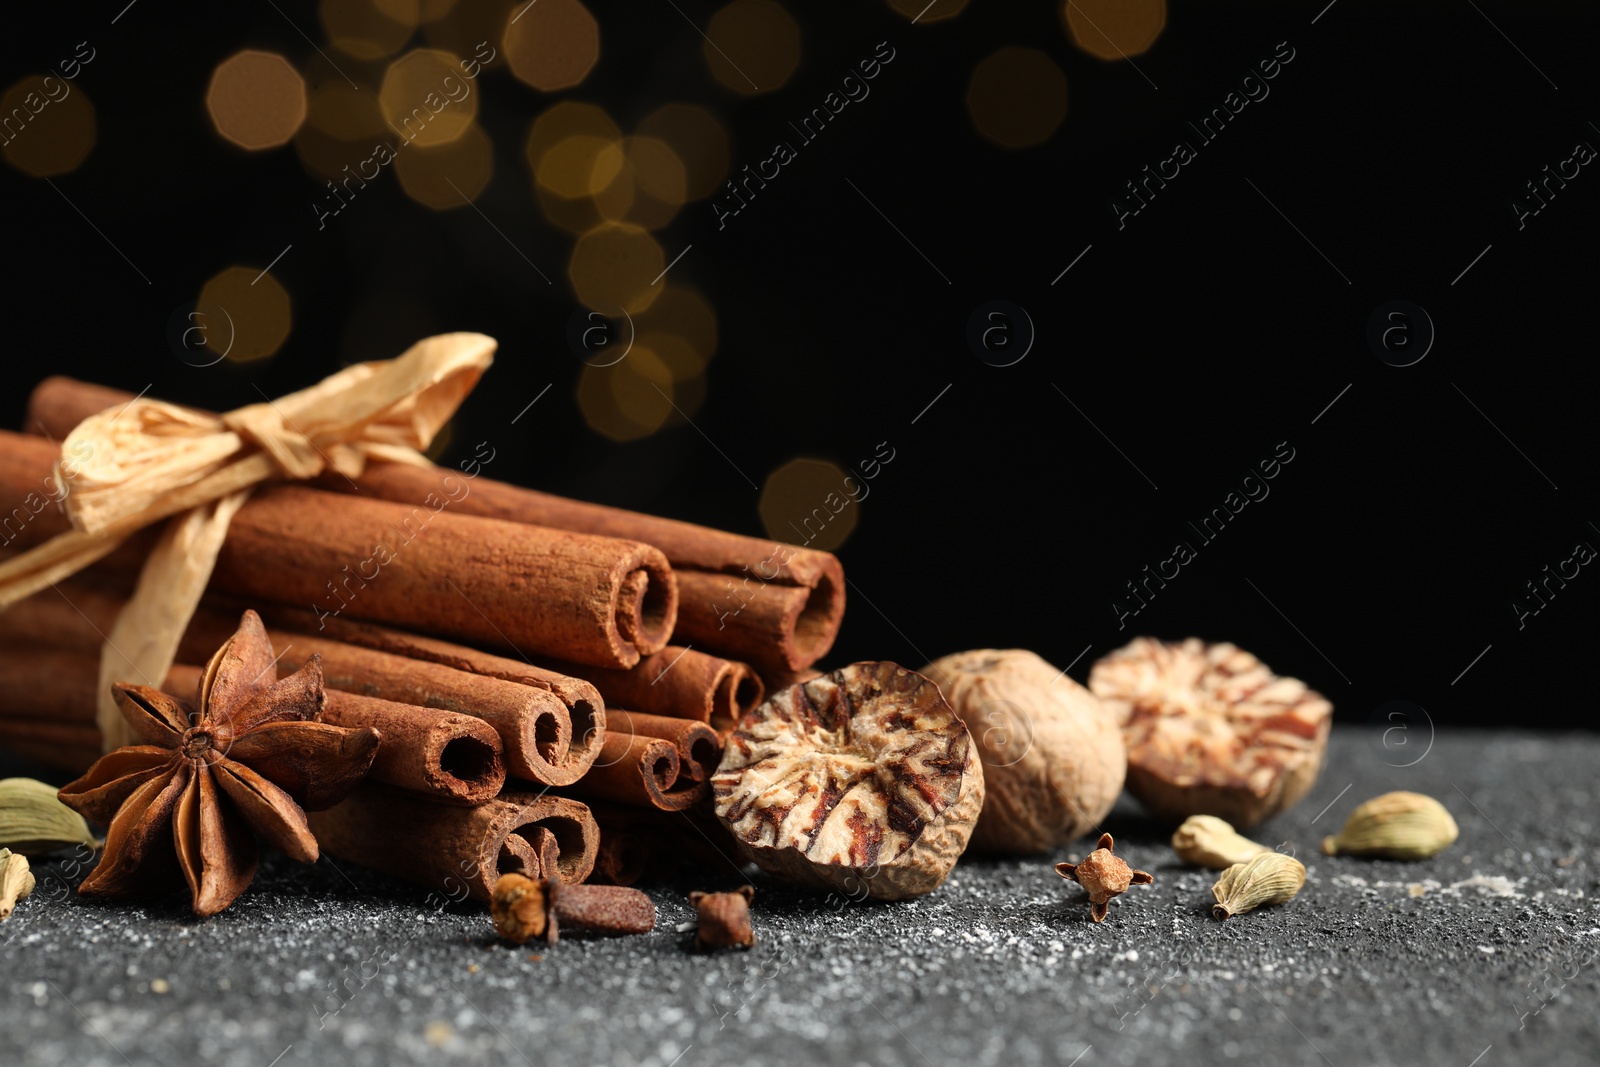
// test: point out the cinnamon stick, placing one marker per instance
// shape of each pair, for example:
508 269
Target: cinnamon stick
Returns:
699 747
456 850
681 683
640 770
72 760
760 602
455 759
581 597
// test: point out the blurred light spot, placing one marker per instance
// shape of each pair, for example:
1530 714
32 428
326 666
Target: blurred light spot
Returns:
369 29
579 165
254 312
923 12
658 180
629 399
752 46
613 265
473 27
690 326
805 502
1017 97
47 126
552 44
699 141
1115 29
426 99
440 176
256 99
574 152
342 127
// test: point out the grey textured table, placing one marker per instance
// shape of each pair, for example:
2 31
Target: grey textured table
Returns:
1483 955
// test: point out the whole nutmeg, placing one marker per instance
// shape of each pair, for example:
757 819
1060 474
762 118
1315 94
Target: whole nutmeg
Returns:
1053 757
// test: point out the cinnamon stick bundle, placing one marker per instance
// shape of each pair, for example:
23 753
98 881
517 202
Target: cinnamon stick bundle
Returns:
455 759
681 683
761 602
535 727
585 598
450 849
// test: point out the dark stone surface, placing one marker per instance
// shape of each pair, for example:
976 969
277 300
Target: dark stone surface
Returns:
1493 963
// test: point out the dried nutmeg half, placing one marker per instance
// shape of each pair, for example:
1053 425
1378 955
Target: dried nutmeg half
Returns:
724 919
1053 758
1211 730
862 780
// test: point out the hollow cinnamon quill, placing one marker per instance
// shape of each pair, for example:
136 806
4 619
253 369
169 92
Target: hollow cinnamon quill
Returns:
457 851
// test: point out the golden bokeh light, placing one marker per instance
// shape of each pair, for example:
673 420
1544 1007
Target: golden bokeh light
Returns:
1114 29
574 152
342 127
681 328
614 266
1017 97
698 139
752 46
449 175
807 502
256 99
580 165
658 179
426 99
248 314
47 126
922 11
369 29
629 399
552 44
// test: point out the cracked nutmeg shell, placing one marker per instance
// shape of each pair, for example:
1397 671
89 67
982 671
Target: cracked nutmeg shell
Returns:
1053 758
1211 730
862 780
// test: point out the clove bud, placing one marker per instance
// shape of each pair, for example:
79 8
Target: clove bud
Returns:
724 918
524 908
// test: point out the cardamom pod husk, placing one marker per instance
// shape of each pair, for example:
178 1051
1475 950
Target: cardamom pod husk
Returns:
1395 826
1207 841
16 881
33 822
1270 878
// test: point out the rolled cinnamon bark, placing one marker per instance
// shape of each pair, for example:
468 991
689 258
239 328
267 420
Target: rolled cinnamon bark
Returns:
575 596
585 705
455 759
680 683
640 770
760 602
72 760
533 724
45 684
452 850
699 746
535 727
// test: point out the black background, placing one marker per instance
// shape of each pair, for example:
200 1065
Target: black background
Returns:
1197 338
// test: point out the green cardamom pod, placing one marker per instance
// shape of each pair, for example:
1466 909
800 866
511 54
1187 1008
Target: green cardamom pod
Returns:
33 822
1395 826
16 881
1207 841
1270 878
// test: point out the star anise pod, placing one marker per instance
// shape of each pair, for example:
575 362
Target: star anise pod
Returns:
248 762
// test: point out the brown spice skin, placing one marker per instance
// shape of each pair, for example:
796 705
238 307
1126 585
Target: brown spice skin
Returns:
1104 876
524 908
724 919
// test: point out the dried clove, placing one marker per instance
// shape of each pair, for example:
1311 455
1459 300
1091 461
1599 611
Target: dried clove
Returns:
524 908
724 919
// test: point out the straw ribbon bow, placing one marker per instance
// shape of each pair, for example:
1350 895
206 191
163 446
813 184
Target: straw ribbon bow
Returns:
128 468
